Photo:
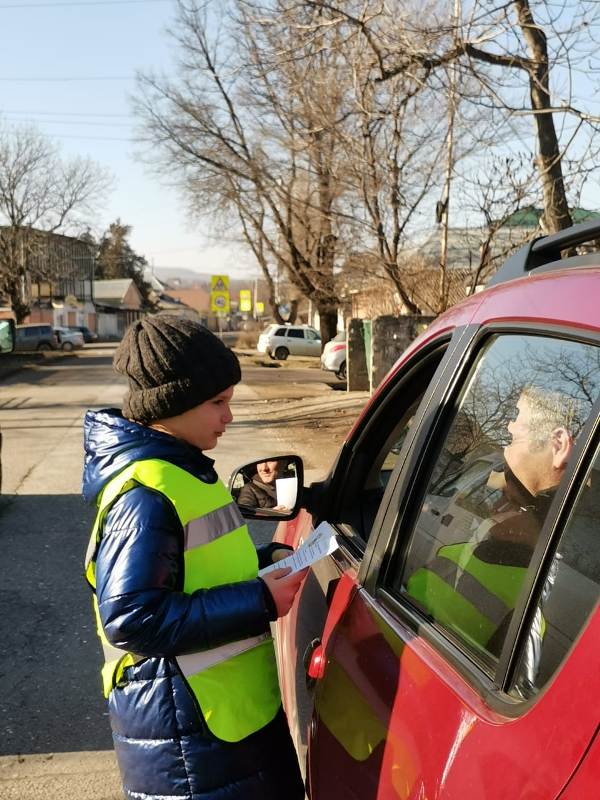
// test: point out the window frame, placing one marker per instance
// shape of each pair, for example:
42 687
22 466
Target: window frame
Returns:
406 497
333 489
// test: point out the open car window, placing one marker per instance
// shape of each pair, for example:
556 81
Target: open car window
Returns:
490 488
379 446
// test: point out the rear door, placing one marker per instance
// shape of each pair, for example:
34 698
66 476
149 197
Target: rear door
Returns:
428 690
312 342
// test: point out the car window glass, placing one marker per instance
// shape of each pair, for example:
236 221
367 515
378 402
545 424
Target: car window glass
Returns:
376 454
312 335
492 483
296 334
280 332
570 592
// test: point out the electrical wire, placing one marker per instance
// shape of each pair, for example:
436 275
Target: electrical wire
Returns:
91 78
65 113
65 3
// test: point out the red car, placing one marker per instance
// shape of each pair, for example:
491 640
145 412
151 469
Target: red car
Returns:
450 647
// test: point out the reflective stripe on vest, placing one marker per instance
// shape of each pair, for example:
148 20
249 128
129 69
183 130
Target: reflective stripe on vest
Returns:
465 594
236 684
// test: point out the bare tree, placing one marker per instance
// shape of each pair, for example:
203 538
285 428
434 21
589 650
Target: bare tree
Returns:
254 143
38 192
510 49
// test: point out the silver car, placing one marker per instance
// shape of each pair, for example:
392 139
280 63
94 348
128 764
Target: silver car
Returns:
69 339
281 341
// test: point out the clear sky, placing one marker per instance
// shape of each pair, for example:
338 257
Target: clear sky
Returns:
68 66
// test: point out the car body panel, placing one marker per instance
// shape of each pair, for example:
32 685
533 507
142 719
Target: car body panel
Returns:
391 717
386 691
333 356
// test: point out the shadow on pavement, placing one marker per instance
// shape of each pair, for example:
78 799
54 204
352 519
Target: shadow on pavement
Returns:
50 691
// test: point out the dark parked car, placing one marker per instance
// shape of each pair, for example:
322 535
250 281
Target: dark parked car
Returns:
36 336
449 647
88 335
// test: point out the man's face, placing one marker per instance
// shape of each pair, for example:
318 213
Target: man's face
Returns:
267 471
530 461
203 425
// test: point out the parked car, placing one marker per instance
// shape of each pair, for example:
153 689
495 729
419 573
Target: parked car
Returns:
88 335
7 345
35 336
333 357
281 341
444 655
69 339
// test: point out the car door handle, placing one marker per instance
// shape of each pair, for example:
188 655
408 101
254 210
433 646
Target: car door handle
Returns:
314 663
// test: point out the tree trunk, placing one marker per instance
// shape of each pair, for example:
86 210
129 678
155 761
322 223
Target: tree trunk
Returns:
19 306
328 318
549 159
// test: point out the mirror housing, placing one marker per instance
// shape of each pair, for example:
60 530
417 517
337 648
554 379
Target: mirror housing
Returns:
7 335
269 488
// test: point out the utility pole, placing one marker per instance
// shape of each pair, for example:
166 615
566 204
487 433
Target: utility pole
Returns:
443 207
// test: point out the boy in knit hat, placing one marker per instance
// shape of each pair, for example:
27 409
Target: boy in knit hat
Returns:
189 668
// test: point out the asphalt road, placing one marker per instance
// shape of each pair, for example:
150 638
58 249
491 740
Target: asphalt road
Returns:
50 696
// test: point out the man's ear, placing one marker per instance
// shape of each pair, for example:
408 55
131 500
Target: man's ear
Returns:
562 445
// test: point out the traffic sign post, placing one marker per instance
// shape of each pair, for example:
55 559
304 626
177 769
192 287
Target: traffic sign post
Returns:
219 294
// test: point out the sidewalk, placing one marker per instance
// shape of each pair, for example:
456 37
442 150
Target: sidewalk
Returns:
274 417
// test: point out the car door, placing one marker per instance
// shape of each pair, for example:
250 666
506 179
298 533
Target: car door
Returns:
296 342
357 488
441 681
312 342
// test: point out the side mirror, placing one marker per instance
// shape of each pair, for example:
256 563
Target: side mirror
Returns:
270 488
7 335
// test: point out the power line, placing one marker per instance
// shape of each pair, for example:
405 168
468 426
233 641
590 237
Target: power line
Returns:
91 78
71 122
66 113
65 3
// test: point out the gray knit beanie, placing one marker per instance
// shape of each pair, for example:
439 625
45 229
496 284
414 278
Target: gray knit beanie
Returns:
172 364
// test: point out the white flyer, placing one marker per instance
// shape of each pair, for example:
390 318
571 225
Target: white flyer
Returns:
319 544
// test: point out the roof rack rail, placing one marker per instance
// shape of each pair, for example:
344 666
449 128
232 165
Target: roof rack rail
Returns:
546 250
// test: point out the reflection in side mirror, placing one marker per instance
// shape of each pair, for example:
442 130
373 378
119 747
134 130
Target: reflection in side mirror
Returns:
269 488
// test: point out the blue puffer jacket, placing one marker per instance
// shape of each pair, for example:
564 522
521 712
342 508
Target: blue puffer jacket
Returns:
164 748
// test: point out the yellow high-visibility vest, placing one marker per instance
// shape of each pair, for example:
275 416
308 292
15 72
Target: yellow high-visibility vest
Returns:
236 684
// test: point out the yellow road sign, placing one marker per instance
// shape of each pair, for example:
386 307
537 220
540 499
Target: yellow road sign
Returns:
219 283
219 294
245 300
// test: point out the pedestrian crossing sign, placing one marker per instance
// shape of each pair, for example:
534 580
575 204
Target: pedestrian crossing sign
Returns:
219 283
219 294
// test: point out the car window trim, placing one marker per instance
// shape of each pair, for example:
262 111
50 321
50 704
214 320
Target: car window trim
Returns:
411 476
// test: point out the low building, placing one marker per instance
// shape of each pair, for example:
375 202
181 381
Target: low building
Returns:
60 275
118 304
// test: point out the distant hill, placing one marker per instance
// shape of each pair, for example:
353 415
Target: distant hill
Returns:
186 277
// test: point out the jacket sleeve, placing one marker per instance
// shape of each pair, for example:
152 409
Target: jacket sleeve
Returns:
139 581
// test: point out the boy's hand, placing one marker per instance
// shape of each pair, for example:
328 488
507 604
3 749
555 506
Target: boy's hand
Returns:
284 587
